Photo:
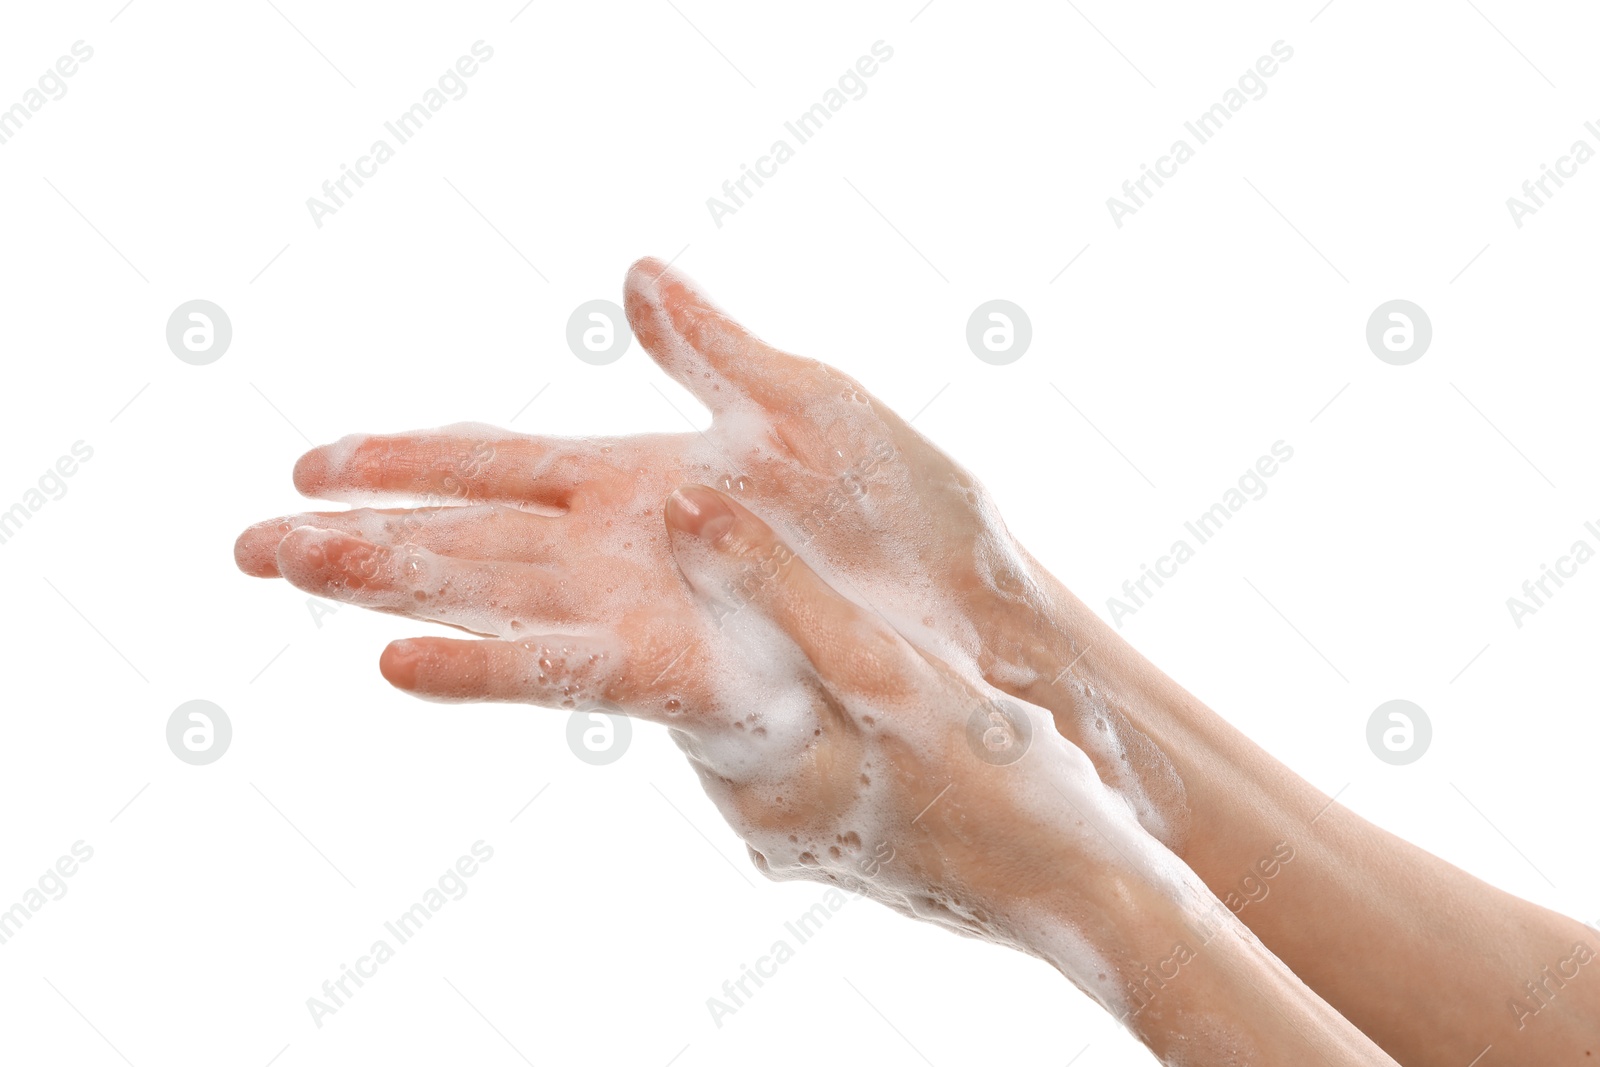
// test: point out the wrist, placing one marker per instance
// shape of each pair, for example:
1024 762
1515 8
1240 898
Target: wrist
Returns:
1199 786
1184 976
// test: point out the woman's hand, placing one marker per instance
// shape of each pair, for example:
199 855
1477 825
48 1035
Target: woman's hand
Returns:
842 476
841 752
573 526
544 535
844 752
836 749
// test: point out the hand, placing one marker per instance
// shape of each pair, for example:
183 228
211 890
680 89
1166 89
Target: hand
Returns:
836 749
841 752
888 518
541 536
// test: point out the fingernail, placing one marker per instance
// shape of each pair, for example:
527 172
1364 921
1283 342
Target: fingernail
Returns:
398 665
256 550
699 511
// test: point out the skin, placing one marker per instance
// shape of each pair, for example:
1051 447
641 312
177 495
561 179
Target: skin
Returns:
843 753
962 837
545 535
792 438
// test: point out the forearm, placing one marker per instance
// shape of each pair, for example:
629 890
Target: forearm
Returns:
1197 988
1427 960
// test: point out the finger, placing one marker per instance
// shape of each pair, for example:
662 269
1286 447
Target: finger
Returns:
737 562
461 464
502 599
479 531
701 347
553 671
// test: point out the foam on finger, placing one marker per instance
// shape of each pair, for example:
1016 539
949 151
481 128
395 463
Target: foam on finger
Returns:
453 464
565 671
504 599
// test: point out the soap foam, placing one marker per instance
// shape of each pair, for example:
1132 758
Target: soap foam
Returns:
905 591
1055 787
867 535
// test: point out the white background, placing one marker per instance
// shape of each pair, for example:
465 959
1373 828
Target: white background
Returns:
1221 318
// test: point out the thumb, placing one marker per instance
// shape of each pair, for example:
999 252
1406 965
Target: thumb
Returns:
735 561
700 345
